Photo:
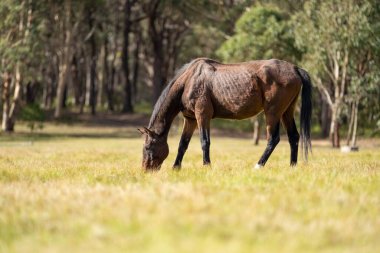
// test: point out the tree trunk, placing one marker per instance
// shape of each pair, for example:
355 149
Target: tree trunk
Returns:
76 80
11 108
256 131
156 37
84 91
82 78
136 65
65 60
93 61
325 119
334 127
6 101
106 71
93 79
336 143
108 77
127 103
1 92
50 83
112 48
110 87
15 105
350 126
65 96
158 61
62 79
101 76
354 132
30 92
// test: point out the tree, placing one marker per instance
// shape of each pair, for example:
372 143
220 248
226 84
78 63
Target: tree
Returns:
127 104
331 38
69 26
15 43
262 32
77 49
364 71
166 27
91 17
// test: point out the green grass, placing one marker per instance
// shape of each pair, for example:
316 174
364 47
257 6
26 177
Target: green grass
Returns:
87 193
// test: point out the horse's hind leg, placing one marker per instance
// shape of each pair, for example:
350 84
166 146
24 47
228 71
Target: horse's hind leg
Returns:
204 132
293 135
187 132
203 114
273 136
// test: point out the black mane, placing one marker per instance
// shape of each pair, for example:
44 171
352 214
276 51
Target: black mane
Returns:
161 99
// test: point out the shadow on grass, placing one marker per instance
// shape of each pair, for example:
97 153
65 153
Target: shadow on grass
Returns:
73 125
42 136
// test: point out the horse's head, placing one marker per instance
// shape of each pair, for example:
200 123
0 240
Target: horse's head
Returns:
155 150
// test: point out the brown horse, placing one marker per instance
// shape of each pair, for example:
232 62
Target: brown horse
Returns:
205 89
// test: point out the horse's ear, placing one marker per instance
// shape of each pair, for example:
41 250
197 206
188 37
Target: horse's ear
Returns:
141 131
147 131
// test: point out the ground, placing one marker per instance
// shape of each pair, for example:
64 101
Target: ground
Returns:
78 188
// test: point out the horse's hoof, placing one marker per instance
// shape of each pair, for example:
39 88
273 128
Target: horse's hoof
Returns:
258 167
207 165
176 167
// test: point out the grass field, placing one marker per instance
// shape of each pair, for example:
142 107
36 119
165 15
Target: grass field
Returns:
85 192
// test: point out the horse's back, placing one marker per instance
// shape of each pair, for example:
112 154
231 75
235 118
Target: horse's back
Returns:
273 70
242 90
234 91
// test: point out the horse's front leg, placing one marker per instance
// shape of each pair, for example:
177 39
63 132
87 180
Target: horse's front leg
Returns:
187 132
203 115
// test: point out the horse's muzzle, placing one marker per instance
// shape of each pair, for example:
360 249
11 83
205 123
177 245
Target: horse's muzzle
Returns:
150 166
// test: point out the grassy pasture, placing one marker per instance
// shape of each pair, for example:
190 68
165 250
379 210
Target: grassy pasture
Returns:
85 192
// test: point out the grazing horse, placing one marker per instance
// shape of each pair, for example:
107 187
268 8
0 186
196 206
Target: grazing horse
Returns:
205 89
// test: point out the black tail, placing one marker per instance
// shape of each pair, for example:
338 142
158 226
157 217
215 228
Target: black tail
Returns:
306 110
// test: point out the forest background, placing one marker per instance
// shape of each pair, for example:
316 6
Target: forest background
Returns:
60 59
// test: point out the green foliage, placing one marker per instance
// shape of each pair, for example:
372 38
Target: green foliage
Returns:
10 49
33 115
330 30
324 28
20 30
200 44
262 32
210 23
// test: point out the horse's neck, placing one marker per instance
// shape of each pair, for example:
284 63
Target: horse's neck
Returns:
167 112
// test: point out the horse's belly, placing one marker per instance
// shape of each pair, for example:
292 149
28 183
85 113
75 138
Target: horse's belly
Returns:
236 102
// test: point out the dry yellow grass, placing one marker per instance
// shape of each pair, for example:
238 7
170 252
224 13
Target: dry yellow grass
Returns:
88 194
